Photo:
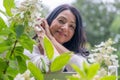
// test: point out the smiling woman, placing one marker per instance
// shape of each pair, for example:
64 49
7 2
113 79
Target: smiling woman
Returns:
63 27
65 33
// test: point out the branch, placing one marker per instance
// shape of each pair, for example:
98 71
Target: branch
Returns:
13 48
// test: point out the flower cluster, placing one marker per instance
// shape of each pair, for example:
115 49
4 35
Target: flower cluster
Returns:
24 76
29 10
26 13
103 54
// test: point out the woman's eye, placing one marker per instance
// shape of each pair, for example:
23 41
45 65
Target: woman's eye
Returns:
72 27
61 21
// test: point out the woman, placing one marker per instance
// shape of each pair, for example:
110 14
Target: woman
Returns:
64 28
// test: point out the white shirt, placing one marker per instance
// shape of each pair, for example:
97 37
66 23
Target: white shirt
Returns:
36 57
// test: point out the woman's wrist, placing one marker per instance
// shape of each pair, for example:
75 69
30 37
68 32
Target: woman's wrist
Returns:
61 49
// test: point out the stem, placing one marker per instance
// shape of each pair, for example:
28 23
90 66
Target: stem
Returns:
6 68
10 55
13 48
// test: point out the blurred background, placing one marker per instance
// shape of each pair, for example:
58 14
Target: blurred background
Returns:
101 19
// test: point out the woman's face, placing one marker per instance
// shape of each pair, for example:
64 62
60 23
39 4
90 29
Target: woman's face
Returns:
63 26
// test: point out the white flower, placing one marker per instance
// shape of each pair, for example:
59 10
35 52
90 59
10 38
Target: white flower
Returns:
22 15
103 54
24 76
112 70
14 11
95 50
100 45
32 78
19 77
29 10
91 58
114 56
115 63
30 23
108 61
102 72
96 77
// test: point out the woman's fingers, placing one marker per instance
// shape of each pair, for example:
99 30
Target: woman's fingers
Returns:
39 31
42 27
37 28
47 29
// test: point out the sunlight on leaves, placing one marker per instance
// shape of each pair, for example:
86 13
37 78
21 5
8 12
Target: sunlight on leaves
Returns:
35 71
49 50
60 61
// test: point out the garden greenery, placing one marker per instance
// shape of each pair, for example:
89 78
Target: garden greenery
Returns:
16 35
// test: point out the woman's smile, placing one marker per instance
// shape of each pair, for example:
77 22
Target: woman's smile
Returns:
63 26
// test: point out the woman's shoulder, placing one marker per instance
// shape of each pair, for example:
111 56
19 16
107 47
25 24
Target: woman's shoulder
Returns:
78 58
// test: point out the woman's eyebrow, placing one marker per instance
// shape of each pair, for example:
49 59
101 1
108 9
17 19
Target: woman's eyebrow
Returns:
63 17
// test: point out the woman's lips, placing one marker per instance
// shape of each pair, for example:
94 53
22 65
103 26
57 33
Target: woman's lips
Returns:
61 33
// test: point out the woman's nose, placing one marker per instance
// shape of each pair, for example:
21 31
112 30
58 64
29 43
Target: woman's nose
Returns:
65 27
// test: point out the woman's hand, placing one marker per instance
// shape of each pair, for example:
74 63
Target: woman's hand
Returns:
46 27
39 31
43 27
46 31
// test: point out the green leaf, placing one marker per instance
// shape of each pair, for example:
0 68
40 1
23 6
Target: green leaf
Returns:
4 65
2 24
10 77
60 61
5 32
5 45
35 71
73 78
12 70
2 49
92 71
19 29
26 42
19 52
3 13
48 48
78 70
8 4
5 77
85 68
21 64
21 59
108 78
